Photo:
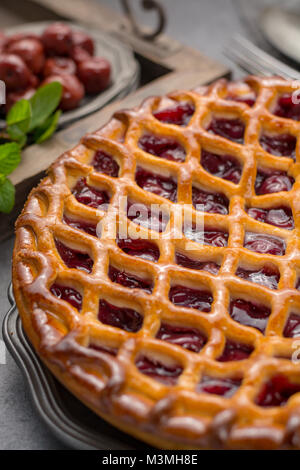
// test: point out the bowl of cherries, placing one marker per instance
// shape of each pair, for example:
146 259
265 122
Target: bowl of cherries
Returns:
93 68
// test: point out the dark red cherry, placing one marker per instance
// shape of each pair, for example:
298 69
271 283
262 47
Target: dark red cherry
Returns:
188 338
125 318
148 217
206 237
163 147
222 166
218 386
90 196
74 259
232 129
250 314
180 114
59 66
235 351
216 203
87 227
105 349
15 73
277 391
83 40
105 163
191 298
140 248
292 326
190 263
267 244
128 280
286 108
269 181
57 39
280 145
168 375
72 90
279 216
68 294
157 184
266 276
93 72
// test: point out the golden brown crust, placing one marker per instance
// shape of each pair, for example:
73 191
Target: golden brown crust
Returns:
165 416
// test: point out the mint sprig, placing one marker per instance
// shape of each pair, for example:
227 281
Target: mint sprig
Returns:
33 121
7 195
10 157
43 103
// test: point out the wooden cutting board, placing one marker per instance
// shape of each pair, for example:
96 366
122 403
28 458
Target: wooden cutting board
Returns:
166 65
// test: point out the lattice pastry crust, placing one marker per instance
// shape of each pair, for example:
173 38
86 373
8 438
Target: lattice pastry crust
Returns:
180 343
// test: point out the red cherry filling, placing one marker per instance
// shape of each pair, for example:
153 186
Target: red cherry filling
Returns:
203 201
267 244
248 98
188 338
292 326
206 237
279 145
148 217
235 352
160 185
168 375
268 182
286 108
89 196
219 386
104 163
222 166
128 280
277 391
267 276
179 114
68 294
280 216
186 262
125 318
232 129
87 227
163 147
250 314
140 248
74 259
191 298
105 349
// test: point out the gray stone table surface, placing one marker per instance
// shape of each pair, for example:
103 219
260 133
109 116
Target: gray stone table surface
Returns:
202 24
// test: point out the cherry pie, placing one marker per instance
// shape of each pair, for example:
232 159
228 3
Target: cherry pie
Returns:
183 341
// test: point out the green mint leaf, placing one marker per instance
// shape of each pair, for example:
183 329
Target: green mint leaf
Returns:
19 115
44 102
45 131
7 195
18 120
10 157
17 135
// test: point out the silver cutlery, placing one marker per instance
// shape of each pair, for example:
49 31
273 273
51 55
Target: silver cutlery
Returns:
256 61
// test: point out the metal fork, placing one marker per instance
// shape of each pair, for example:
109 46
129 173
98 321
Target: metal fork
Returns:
256 61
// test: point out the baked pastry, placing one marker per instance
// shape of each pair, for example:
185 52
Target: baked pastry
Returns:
184 337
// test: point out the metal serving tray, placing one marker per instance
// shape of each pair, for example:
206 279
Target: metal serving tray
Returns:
68 419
